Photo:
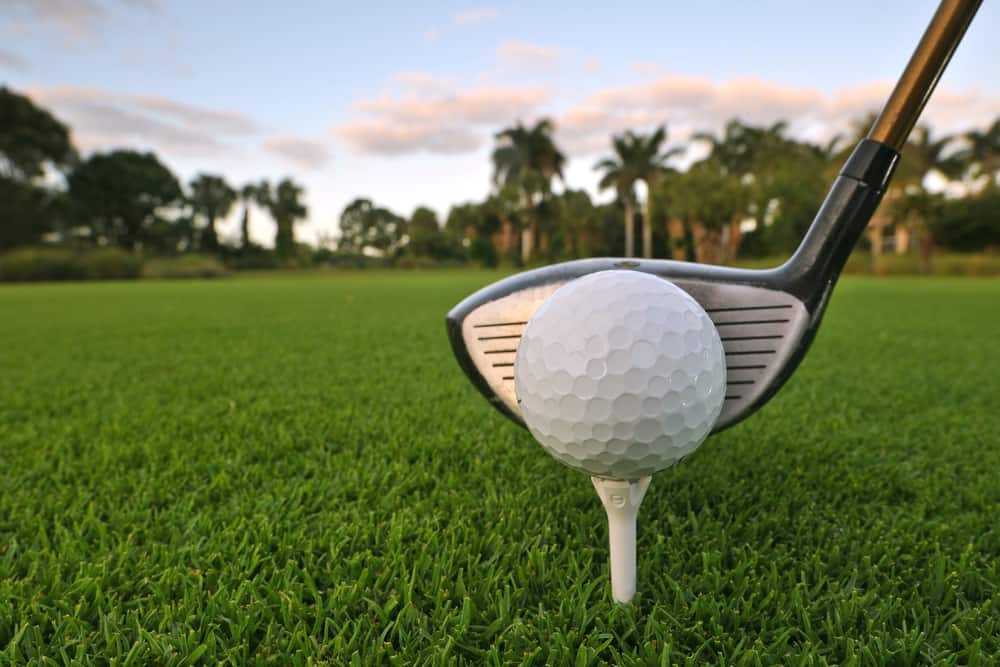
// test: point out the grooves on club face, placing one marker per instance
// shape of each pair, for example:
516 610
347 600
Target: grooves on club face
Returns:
766 318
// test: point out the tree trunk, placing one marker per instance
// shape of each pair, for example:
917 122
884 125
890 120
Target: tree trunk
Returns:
901 239
211 239
528 233
875 230
629 228
543 243
582 245
735 236
506 237
647 225
678 239
245 229
707 243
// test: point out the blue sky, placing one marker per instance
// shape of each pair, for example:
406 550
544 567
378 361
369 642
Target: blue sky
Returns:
399 103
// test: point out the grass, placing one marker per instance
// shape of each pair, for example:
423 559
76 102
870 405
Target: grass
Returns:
295 471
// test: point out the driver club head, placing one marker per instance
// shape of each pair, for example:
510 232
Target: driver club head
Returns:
766 318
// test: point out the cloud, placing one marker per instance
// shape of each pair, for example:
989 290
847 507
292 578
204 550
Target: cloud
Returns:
527 56
421 82
592 65
13 61
103 119
688 104
307 154
212 120
476 16
151 6
77 19
389 138
482 105
436 120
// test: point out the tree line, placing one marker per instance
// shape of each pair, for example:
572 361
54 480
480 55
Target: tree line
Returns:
753 194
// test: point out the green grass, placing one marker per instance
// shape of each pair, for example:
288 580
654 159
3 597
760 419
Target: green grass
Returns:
295 471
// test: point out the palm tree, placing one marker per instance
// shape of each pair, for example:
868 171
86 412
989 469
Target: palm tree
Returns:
286 208
637 158
620 173
528 158
212 197
922 155
250 194
982 156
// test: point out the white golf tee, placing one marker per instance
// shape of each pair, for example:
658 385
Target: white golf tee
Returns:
621 500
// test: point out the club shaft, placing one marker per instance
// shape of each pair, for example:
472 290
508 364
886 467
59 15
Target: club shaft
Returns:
926 65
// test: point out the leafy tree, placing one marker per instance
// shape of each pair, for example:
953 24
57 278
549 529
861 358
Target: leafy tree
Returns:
121 194
982 155
528 159
26 213
423 231
369 229
577 222
967 224
709 198
637 158
212 198
31 139
286 207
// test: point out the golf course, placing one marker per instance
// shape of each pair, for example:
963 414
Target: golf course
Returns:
294 470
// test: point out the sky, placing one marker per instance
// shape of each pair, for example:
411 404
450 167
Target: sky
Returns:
400 103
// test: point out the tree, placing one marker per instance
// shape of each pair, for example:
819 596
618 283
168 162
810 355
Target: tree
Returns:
423 231
620 174
912 204
577 222
528 159
982 155
783 180
212 198
369 229
31 140
250 194
121 194
637 158
286 207
709 198
967 224
427 239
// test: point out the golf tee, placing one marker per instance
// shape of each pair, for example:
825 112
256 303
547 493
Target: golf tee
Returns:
621 500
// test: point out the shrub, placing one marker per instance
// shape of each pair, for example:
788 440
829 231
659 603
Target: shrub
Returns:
184 266
110 264
36 264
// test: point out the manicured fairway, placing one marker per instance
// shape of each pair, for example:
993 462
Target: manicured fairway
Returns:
295 471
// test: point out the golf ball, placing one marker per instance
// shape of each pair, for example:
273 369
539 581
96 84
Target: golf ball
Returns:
620 374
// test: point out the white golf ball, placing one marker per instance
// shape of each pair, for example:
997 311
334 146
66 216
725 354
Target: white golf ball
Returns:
620 374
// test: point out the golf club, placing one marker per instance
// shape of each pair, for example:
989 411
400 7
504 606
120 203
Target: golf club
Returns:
766 318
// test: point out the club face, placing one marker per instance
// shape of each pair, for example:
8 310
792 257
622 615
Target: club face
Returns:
763 329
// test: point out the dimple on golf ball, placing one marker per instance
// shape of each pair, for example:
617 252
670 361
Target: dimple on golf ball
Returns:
620 374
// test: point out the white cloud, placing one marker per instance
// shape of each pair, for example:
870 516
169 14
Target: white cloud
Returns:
78 20
429 118
382 137
527 56
689 104
13 61
476 16
307 154
104 119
